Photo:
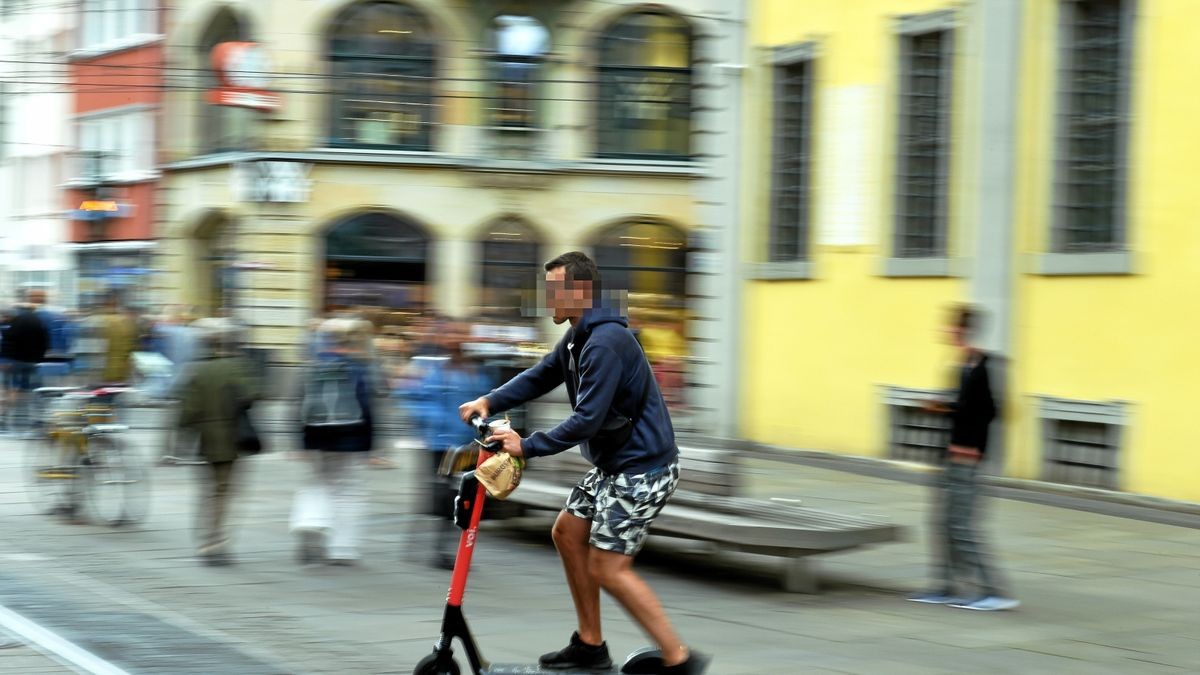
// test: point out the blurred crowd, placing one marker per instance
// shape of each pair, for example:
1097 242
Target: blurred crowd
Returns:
362 368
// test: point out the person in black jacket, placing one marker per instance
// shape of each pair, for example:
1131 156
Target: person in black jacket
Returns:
621 425
961 555
26 341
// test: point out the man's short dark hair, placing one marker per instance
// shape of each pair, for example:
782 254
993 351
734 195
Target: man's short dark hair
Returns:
966 318
577 266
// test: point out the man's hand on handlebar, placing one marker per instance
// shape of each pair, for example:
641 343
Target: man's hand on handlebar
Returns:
476 408
509 441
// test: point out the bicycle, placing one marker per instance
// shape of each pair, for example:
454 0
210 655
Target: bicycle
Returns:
81 459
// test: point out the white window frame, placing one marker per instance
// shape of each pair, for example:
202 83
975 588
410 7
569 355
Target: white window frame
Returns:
114 25
127 131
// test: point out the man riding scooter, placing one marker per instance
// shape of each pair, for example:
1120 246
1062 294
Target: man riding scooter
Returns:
622 426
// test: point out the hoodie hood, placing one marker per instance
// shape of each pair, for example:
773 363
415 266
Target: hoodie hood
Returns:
598 315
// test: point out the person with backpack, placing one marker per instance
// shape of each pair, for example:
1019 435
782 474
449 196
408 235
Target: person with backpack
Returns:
449 378
337 431
621 424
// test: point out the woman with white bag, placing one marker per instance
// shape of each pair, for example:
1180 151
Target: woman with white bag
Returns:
337 428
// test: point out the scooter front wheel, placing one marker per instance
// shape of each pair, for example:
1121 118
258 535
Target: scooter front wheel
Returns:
429 666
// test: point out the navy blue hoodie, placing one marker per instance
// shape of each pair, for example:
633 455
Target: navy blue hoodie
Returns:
612 373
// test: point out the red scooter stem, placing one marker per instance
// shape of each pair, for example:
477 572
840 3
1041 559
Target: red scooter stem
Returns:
466 543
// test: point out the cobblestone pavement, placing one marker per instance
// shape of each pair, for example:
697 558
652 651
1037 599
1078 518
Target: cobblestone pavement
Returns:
1101 594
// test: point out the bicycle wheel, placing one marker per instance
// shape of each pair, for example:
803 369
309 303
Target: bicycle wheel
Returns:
117 483
52 472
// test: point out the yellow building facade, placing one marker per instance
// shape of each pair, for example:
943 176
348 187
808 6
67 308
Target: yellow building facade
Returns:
1025 156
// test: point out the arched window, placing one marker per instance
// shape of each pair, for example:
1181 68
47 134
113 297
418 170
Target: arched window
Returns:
383 65
375 259
646 258
510 268
520 44
223 128
645 98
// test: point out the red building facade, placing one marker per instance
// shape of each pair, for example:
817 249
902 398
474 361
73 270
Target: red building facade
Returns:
117 76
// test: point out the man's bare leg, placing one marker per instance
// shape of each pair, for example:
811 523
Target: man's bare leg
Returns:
614 572
571 535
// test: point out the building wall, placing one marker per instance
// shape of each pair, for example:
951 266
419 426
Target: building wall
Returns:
1123 337
112 82
118 81
567 213
826 345
132 76
818 350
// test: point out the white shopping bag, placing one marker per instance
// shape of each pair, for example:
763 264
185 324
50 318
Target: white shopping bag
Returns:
312 509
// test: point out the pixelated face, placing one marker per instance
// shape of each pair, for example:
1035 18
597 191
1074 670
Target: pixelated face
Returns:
566 298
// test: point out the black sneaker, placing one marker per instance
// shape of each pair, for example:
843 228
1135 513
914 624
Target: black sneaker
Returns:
696 664
578 656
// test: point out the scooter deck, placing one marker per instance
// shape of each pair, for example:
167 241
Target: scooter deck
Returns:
514 669
645 661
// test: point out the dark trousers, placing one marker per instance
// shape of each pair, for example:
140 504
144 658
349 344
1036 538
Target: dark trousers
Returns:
960 550
216 491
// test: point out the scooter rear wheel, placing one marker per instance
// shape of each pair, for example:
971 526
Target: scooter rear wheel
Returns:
645 661
429 666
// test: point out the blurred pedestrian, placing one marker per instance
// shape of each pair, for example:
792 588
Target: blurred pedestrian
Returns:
90 347
961 558
180 343
337 428
26 342
449 378
60 325
217 388
58 364
367 353
6 317
120 331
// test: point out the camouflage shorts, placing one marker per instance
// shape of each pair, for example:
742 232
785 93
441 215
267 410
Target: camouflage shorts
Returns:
621 507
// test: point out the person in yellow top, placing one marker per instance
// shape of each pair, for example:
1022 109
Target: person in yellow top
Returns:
120 333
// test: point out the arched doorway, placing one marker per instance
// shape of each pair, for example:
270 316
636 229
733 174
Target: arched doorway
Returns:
376 259
648 258
212 255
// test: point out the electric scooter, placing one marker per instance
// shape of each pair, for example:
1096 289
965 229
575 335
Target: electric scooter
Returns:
468 509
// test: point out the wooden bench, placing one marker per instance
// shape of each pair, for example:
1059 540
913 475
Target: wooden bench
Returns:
706 507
